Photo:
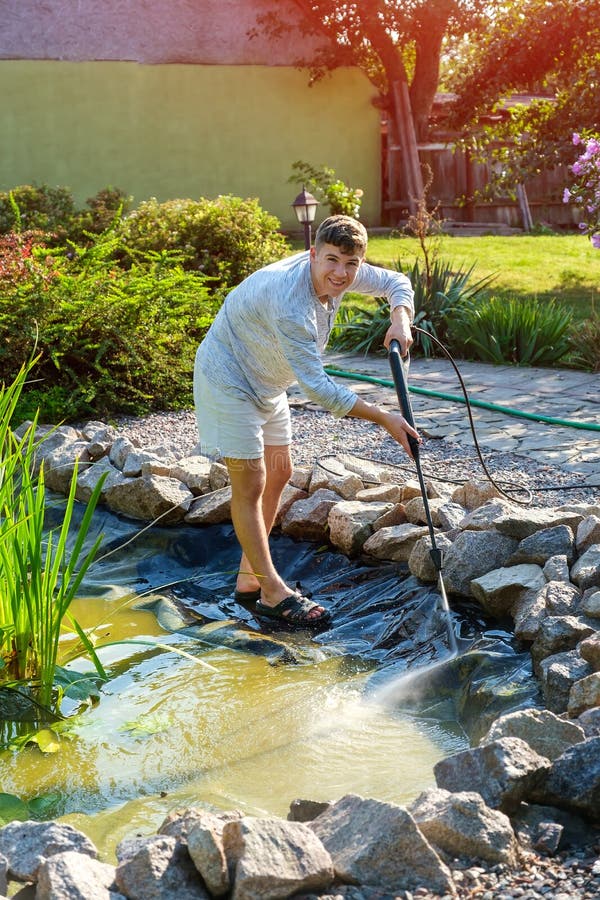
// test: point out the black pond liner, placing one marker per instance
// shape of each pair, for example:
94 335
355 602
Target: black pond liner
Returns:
385 622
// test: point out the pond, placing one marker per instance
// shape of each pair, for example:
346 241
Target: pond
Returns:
249 719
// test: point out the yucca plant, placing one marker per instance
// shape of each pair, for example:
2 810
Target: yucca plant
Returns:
514 331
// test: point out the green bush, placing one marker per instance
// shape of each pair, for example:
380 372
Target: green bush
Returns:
111 340
585 343
225 239
53 211
341 199
513 331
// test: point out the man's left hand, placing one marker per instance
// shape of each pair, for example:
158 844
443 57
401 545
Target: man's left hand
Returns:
399 330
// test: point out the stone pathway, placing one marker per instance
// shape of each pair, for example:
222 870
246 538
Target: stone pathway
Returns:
557 393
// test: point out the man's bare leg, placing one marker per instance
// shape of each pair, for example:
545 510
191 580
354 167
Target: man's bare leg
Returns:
253 510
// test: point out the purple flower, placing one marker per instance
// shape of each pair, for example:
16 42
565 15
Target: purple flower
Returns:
595 239
577 168
566 195
576 138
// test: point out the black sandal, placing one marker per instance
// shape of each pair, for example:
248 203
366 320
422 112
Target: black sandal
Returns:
247 596
294 612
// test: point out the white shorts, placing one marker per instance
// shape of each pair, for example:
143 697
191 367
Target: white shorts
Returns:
236 428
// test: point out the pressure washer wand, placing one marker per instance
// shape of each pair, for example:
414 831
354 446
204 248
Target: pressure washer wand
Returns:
397 368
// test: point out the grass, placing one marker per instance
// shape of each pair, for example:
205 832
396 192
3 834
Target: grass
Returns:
561 267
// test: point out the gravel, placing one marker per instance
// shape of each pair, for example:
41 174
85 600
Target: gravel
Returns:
318 435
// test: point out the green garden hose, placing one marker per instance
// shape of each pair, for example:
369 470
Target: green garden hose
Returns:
536 417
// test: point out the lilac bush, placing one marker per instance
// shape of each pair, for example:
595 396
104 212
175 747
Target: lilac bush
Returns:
585 190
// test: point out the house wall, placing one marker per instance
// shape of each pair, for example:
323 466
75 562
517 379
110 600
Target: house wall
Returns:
186 130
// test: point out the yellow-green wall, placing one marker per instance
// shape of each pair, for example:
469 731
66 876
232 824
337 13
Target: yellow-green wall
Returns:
170 131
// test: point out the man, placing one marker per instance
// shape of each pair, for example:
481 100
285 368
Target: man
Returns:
268 334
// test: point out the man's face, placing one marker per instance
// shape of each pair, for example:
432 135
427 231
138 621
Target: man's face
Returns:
332 270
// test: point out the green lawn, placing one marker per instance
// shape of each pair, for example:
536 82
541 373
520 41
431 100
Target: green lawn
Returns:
561 267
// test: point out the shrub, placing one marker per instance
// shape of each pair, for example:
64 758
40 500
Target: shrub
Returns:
341 199
225 239
111 340
513 330
52 211
585 343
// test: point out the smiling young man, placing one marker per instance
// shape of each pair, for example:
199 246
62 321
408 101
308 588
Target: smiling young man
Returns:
269 333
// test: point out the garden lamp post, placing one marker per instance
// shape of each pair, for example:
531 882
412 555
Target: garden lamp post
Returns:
305 207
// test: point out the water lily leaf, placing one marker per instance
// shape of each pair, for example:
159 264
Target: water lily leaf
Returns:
12 808
76 685
145 725
46 806
47 740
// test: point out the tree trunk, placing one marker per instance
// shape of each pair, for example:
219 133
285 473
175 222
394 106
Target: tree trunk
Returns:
424 85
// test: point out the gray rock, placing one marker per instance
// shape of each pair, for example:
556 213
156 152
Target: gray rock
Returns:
27 844
541 729
150 498
558 634
420 562
289 496
3 874
590 722
308 518
395 542
588 533
499 590
210 509
573 782
351 523
523 522
60 465
272 858
557 569
160 870
379 844
219 476
335 478
100 438
141 462
529 611
450 515
395 516
415 511
584 694
543 545
590 604
504 772
530 822
370 472
205 846
586 571
48 440
557 675
589 648
179 822
484 517
472 554
561 599
462 825
381 493
194 472
75 876
89 478
475 493
119 452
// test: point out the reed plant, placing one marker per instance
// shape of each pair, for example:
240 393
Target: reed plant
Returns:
40 570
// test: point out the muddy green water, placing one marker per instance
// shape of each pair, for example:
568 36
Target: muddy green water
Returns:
242 734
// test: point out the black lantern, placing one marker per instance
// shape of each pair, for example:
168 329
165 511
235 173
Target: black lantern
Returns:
305 207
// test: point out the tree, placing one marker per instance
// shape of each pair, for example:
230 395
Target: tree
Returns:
550 48
397 43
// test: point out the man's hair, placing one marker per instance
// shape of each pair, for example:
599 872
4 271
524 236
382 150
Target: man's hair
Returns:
344 232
